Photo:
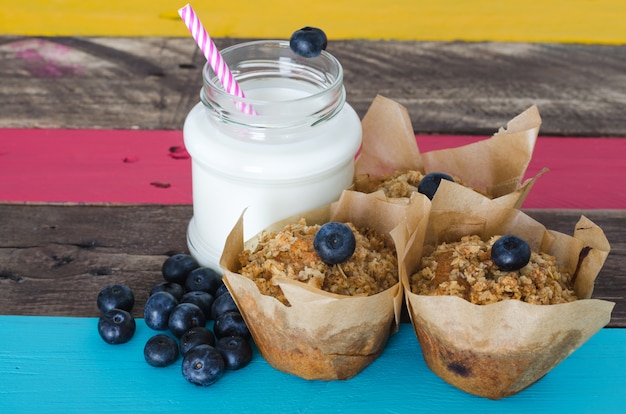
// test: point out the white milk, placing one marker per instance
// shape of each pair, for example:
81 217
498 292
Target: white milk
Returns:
283 160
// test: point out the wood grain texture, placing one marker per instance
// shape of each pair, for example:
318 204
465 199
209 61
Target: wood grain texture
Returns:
448 87
581 21
60 256
55 259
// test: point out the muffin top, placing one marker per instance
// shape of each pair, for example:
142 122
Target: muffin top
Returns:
399 184
402 183
289 253
465 269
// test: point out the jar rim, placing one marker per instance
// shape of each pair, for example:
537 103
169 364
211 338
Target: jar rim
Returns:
319 79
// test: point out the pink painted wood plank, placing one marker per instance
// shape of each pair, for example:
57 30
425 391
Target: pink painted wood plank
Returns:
127 166
585 173
93 166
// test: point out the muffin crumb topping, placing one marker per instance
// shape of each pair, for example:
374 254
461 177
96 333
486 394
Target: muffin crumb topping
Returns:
289 253
465 269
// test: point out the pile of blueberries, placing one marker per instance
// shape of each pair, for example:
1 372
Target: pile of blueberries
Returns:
189 297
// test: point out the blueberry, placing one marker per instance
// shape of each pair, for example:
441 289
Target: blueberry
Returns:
202 299
176 268
160 351
157 311
203 278
430 183
308 42
203 365
184 317
334 243
116 326
174 289
115 297
222 304
236 351
200 335
221 289
230 324
510 253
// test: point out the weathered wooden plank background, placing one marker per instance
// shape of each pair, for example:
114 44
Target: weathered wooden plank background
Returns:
56 257
460 67
448 87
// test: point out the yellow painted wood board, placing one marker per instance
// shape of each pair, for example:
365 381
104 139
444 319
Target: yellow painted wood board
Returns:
566 21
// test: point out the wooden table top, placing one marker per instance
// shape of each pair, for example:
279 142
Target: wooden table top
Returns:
115 84
58 247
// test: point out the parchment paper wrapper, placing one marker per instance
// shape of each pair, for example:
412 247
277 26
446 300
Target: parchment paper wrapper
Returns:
323 335
494 166
499 349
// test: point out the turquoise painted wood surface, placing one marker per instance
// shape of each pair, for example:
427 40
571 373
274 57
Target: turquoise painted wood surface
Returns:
53 364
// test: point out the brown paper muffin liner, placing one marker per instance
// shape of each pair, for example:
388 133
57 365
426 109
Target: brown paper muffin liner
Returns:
323 335
499 349
495 166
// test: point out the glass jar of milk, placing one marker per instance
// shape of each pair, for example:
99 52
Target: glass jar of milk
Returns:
292 152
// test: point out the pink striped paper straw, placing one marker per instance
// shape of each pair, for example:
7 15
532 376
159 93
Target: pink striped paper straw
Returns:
212 54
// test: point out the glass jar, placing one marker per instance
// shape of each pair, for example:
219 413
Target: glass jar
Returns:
286 148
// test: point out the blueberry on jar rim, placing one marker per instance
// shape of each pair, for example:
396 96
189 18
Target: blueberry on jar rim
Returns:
308 42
